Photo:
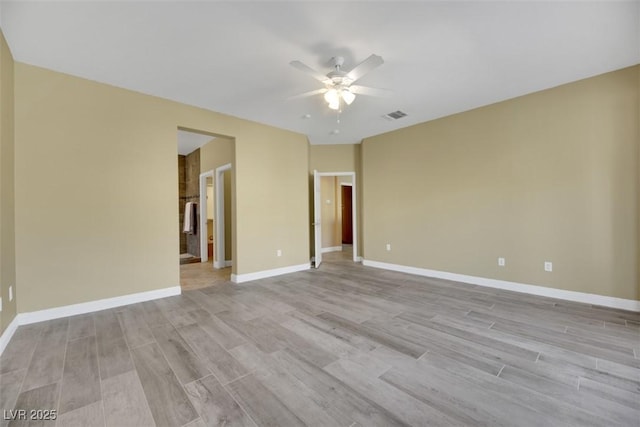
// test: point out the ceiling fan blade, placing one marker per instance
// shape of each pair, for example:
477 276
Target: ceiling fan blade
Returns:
371 91
306 94
308 70
364 67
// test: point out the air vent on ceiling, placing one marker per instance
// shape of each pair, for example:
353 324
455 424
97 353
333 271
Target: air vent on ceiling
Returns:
395 115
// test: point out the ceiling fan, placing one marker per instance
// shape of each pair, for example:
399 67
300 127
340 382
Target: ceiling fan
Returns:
338 83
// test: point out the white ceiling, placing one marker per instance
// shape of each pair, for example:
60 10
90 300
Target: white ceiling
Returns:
190 141
233 57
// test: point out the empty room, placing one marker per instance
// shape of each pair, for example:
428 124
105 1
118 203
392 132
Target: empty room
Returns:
345 213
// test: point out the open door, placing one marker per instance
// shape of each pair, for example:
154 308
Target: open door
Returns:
317 223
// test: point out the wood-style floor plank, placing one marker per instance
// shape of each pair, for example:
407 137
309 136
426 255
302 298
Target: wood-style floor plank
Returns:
215 406
261 404
136 331
48 357
81 326
217 329
40 398
10 384
18 352
113 353
87 416
184 362
343 400
168 402
216 358
342 345
81 377
409 409
125 404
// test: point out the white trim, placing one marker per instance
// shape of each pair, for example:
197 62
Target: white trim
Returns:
331 249
317 220
219 254
8 333
204 240
241 278
354 205
226 263
82 308
359 259
97 305
602 300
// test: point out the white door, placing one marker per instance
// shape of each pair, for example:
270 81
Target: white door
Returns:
317 223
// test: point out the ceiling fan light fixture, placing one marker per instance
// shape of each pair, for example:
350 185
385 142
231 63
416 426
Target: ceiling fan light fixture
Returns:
348 96
331 96
335 104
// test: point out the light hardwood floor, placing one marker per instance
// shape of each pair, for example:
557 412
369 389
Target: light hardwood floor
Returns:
344 345
201 275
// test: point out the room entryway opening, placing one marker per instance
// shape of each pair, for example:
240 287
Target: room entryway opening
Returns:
334 217
204 203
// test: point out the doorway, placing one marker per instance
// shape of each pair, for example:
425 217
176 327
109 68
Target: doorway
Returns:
197 185
329 198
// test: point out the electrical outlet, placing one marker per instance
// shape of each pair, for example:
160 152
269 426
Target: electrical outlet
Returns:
548 266
10 293
278 252
0 304
501 262
389 246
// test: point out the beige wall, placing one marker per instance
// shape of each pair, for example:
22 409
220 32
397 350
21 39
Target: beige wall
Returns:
101 161
214 154
329 214
550 176
333 158
337 158
7 195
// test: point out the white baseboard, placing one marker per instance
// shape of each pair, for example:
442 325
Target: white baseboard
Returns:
359 259
602 300
82 308
226 263
97 305
7 334
331 249
241 278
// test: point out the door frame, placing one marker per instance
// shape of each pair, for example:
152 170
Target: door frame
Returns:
204 250
354 211
219 260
